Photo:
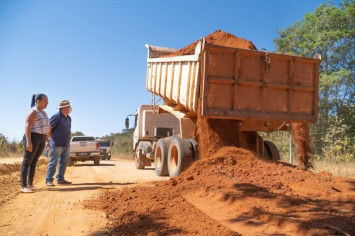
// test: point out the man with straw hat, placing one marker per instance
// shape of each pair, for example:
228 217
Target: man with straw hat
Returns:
60 131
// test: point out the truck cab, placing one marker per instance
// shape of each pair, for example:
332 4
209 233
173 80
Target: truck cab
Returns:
149 126
105 148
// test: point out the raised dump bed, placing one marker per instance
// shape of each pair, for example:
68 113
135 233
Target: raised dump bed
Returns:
236 83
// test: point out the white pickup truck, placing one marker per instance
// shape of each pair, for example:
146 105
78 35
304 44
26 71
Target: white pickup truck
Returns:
84 148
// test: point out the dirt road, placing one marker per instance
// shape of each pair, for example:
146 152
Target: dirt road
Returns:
59 210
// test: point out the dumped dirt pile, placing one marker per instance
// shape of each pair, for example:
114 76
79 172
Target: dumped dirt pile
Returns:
10 178
234 192
218 37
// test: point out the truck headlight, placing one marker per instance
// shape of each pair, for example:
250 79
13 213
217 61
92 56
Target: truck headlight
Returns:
148 149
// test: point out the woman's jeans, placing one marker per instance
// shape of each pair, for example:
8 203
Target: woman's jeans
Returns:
60 154
30 159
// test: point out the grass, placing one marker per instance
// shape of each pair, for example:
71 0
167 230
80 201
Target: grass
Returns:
345 169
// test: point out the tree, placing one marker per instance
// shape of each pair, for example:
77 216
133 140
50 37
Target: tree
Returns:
13 147
4 144
77 133
122 142
330 32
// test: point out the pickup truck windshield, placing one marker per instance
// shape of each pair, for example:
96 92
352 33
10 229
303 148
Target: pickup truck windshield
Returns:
83 139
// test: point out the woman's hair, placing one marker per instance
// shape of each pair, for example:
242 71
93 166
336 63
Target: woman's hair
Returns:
36 97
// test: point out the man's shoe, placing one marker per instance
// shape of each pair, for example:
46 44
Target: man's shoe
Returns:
50 184
63 182
32 187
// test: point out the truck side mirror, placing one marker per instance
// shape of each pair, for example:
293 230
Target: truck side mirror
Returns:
127 123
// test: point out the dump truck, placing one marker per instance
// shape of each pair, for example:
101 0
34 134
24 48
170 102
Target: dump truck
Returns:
262 91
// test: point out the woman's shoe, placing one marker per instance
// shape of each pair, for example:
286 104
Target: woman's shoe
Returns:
26 190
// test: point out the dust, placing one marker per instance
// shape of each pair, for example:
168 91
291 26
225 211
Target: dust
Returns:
214 134
302 139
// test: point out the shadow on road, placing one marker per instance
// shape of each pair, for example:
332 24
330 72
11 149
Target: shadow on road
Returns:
81 165
150 168
108 183
83 187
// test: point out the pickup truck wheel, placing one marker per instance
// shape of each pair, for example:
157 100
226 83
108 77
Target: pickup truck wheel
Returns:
140 162
272 151
96 161
179 156
161 157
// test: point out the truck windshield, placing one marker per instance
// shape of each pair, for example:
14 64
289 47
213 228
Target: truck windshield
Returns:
83 139
104 144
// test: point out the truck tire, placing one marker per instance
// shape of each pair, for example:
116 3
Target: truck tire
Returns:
96 161
161 157
140 162
272 151
179 156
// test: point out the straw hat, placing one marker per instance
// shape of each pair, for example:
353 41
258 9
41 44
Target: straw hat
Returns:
64 103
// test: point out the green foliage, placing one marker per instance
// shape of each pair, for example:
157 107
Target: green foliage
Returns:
122 142
20 147
77 133
3 145
281 139
330 32
338 146
7 148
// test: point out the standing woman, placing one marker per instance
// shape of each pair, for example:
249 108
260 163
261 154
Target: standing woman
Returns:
36 134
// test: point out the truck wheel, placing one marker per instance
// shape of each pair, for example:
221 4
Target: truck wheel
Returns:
272 151
161 157
140 162
179 156
96 161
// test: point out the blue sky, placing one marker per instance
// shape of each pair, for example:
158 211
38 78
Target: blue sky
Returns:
92 52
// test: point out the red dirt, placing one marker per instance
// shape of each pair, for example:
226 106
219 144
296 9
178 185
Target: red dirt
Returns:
214 134
234 192
10 178
302 139
217 38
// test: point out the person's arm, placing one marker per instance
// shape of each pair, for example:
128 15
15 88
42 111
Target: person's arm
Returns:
30 119
53 121
48 136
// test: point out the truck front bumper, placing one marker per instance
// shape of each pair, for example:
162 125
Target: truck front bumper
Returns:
82 156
